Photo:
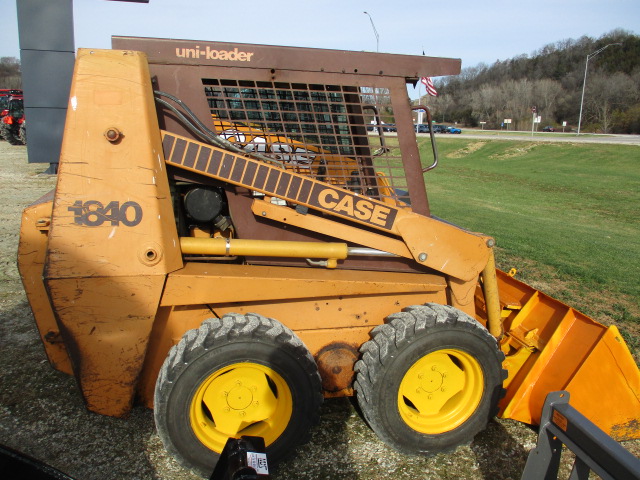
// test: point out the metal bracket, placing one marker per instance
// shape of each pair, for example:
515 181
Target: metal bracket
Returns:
242 459
561 424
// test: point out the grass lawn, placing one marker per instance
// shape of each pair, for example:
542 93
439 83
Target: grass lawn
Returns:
566 215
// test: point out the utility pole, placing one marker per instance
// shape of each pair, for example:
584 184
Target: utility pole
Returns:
533 120
375 32
584 82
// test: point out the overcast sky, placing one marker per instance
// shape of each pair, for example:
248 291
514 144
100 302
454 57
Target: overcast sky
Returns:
475 31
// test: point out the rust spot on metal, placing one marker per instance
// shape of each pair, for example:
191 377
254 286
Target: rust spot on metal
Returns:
335 364
53 337
626 431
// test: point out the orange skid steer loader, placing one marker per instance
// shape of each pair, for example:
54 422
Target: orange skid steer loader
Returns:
229 242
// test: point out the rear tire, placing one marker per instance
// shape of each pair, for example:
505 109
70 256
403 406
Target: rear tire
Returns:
429 379
238 375
23 133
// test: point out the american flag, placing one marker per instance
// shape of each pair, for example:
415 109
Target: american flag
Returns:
428 83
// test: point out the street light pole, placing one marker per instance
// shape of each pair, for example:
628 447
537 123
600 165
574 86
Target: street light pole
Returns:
375 32
584 82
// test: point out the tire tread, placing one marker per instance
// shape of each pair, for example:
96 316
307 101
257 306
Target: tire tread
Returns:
397 333
216 332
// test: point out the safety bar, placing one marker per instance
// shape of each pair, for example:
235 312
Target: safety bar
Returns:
594 449
433 138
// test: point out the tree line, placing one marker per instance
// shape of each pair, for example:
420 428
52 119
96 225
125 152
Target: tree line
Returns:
550 79
10 76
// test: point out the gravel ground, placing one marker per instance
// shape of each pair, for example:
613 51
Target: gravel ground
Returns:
42 414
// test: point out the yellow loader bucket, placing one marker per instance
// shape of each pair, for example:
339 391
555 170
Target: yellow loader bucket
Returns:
549 346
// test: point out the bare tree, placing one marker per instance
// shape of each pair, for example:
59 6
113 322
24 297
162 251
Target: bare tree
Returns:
488 104
10 73
605 94
518 95
546 91
441 103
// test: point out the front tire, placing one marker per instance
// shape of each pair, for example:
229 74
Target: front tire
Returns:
429 379
238 375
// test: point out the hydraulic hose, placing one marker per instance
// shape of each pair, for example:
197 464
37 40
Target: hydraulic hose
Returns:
193 123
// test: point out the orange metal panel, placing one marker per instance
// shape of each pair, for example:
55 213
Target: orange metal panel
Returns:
31 256
338 310
106 322
113 236
112 212
616 408
551 368
199 283
446 248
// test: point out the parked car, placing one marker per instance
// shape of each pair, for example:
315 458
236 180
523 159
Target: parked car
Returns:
548 128
453 130
422 128
389 127
439 129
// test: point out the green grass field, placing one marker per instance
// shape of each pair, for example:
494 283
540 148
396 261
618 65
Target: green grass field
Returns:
565 215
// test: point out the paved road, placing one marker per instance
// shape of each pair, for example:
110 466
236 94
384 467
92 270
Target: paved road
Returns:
546 137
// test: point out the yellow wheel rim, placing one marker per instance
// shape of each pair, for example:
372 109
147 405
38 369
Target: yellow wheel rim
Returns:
240 399
440 391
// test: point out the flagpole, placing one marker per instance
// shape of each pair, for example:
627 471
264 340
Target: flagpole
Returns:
420 82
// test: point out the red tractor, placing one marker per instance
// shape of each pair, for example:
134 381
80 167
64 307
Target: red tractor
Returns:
12 123
7 94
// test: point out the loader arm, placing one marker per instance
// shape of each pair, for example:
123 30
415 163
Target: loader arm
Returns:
427 240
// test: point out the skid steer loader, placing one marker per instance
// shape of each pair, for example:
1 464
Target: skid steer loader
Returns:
230 241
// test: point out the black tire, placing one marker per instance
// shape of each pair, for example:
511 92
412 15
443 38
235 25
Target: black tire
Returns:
221 351
429 379
23 133
4 131
10 134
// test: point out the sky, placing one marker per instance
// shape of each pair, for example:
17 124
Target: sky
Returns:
474 31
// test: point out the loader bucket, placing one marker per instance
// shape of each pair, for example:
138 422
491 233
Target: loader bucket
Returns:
549 346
